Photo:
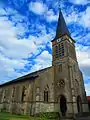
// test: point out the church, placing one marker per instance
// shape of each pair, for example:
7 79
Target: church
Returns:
58 88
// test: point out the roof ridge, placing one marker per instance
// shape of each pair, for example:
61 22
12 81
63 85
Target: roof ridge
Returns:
25 77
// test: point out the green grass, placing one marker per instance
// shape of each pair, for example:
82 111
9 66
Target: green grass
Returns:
43 116
7 116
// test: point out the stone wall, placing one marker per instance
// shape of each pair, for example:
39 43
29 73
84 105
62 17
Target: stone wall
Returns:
85 107
34 91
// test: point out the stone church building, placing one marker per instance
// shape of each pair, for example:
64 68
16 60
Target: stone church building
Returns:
59 88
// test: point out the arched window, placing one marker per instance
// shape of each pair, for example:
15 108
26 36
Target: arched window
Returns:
62 49
1 92
23 93
46 94
4 95
56 51
79 104
59 50
13 92
37 94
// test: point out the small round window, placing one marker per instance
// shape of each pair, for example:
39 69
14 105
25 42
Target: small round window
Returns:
61 83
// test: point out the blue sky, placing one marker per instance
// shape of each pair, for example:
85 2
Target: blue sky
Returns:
27 28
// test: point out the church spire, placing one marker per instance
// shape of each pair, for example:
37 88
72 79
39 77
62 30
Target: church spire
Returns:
61 26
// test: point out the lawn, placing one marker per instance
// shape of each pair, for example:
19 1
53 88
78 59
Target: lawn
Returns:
8 116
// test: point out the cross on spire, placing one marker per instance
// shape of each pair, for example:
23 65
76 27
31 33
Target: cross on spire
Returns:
59 4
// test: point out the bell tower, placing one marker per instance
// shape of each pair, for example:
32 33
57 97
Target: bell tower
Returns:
65 64
62 45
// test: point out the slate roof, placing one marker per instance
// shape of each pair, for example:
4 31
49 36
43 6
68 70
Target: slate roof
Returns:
61 26
30 76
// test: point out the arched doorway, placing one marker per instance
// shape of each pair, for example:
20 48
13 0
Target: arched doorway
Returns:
79 104
63 105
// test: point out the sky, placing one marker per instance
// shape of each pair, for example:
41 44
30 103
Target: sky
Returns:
27 28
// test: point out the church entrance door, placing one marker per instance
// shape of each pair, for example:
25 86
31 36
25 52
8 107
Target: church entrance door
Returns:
63 105
79 104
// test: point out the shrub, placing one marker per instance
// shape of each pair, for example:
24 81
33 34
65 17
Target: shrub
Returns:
3 110
48 115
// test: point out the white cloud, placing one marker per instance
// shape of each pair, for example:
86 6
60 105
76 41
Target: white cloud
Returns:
87 86
42 61
45 55
8 66
38 8
83 57
82 18
14 52
85 20
12 47
2 11
20 48
72 17
81 2
83 54
12 63
51 16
